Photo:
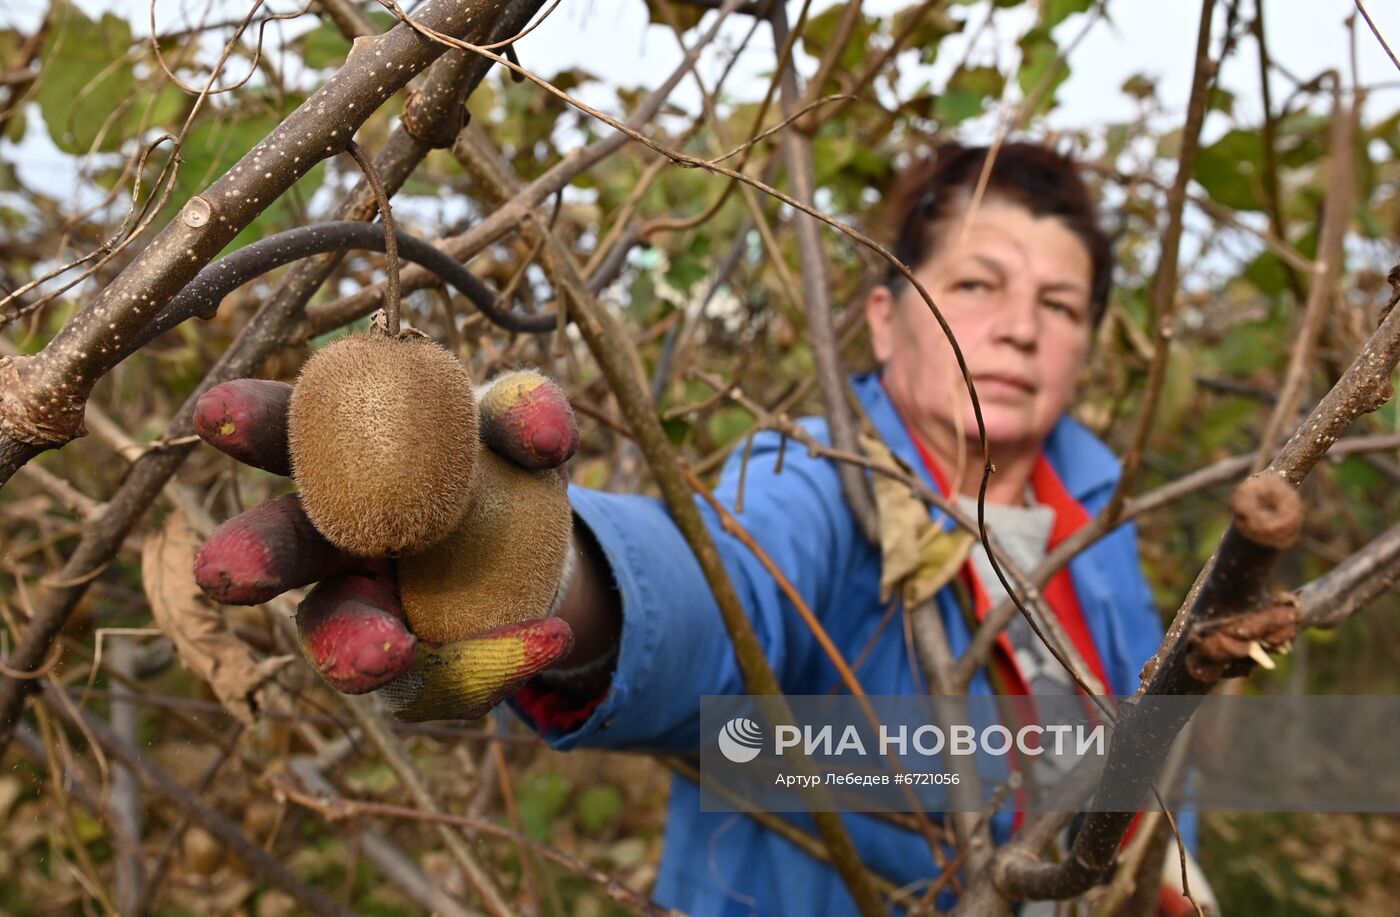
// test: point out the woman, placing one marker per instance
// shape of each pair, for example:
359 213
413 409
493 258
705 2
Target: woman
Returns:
1021 272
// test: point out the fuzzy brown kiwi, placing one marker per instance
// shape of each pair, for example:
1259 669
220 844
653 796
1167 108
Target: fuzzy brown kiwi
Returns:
384 440
502 565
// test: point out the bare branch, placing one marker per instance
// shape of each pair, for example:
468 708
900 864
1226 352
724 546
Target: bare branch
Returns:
1328 267
1164 286
816 289
229 834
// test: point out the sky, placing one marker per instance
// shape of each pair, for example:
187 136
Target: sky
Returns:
612 40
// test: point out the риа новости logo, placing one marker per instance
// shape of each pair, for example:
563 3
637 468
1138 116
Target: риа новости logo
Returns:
740 740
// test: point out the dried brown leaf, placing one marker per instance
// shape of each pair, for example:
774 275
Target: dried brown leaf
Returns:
206 645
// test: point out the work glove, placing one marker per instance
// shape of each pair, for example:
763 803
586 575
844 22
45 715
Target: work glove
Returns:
352 625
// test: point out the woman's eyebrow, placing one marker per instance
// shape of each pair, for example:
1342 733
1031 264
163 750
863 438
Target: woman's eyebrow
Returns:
991 265
1063 286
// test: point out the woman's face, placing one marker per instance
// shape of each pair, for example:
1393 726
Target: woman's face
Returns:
1015 288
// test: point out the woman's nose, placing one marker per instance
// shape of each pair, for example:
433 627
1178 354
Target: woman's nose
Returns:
1018 319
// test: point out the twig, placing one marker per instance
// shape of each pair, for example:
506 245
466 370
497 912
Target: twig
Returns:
1232 588
774 822
396 866
848 677
1220 472
1327 268
391 247
1271 178
340 807
87 871
1331 599
126 789
229 834
1164 288
611 348
1361 8
396 756
211 285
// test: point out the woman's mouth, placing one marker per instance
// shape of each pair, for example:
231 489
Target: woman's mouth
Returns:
1004 382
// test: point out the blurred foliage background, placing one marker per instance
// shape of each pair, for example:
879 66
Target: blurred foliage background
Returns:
721 298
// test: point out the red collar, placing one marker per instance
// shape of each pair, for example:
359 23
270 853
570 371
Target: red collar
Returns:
1049 490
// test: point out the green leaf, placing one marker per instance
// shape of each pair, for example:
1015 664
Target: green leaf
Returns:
957 105
821 31
686 271
967 93
1178 389
1268 274
728 424
1041 71
541 800
86 80
1232 170
325 46
1222 100
685 15
1057 11
1370 225
598 807
928 32
1140 86
15 125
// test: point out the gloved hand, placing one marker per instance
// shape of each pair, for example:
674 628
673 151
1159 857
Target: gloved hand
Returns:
352 625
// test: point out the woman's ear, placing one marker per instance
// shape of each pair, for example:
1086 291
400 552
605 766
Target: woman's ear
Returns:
879 315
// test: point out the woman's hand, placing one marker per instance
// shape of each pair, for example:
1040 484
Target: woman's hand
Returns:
352 625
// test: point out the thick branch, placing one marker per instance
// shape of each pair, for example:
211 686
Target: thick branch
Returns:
1268 517
46 392
1334 597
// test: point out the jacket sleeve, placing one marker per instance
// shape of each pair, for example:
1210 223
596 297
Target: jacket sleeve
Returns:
674 646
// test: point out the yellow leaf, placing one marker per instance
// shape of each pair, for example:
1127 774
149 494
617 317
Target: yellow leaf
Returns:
918 558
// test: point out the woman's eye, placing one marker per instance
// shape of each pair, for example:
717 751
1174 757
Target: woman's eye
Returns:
1061 307
971 285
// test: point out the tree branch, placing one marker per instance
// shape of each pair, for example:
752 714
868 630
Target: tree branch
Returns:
1326 269
44 394
1164 287
1331 599
617 358
816 291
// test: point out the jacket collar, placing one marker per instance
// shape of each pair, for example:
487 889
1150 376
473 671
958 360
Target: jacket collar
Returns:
1086 467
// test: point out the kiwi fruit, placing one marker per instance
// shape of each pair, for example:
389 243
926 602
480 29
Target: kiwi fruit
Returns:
383 434
385 439
502 565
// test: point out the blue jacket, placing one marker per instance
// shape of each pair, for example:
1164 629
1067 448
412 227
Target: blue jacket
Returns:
675 648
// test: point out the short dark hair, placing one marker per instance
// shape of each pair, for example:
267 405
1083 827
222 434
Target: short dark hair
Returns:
929 193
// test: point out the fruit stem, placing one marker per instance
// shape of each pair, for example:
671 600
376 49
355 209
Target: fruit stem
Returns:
391 247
